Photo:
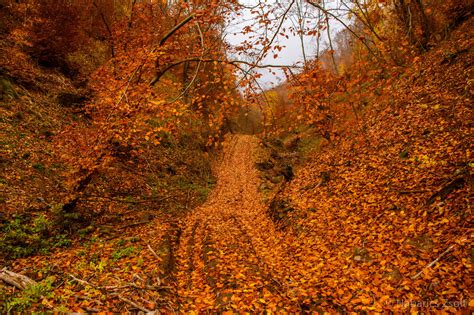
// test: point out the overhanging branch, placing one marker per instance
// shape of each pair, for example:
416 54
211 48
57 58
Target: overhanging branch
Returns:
236 63
165 38
174 29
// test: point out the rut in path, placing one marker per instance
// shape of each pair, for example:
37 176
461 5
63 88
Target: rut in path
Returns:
230 256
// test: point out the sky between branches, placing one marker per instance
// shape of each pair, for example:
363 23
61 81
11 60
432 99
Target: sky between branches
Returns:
292 52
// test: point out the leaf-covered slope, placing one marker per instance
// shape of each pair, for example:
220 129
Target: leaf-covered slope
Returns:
393 194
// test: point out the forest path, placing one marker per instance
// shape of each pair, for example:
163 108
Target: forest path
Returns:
229 255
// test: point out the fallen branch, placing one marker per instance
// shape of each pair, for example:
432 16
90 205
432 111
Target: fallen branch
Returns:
128 285
15 279
82 281
453 185
135 286
142 200
434 261
137 306
135 224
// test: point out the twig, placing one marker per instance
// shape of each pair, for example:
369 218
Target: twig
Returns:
142 308
135 224
434 261
91 310
153 252
132 285
379 215
81 281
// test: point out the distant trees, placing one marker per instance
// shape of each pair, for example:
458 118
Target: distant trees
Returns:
72 36
353 38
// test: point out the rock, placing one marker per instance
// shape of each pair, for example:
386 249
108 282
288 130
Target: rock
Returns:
361 255
287 172
265 165
72 99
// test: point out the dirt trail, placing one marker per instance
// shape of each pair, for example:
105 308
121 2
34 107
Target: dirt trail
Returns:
230 256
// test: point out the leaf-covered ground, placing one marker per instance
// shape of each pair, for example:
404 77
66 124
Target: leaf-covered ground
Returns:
392 194
230 256
378 219
340 251
225 255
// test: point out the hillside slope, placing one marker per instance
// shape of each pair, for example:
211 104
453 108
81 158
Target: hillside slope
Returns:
371 210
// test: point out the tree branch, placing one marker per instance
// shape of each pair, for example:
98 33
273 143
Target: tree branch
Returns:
230 62
327 12
176 28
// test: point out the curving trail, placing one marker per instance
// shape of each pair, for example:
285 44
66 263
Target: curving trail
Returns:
230 256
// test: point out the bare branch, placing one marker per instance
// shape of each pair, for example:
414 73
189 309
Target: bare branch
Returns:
328 12
230 62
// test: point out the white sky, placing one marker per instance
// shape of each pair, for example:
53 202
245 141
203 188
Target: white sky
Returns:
292 51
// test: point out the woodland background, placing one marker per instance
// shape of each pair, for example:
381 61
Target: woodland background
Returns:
113 114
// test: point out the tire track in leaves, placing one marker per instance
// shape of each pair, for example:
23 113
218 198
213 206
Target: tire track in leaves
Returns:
190 248
273 285
230 256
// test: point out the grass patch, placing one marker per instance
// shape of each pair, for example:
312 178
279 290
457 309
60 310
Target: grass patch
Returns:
24 236
123 252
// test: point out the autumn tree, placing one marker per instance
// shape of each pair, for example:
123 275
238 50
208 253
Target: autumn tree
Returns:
163 80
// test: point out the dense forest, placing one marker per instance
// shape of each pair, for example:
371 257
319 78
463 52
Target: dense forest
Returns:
146 166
